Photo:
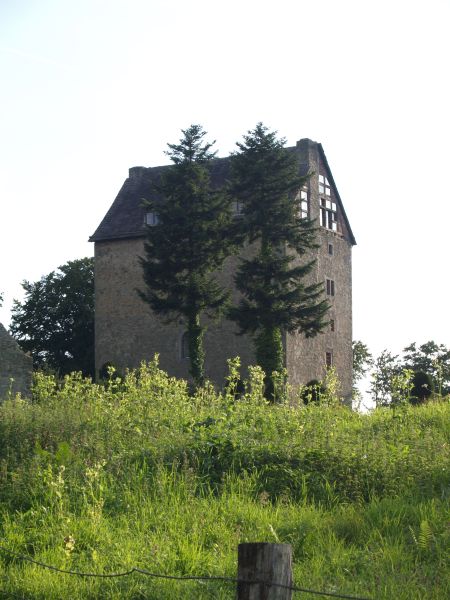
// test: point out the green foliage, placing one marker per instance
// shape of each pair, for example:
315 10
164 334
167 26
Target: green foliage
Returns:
312 392
362 362
429 365
188 243
265 180
55 322
401 386
269 355
386 367
138 472
107 371
430 358
422 387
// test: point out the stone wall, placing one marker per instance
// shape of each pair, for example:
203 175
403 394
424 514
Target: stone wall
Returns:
306 358
127 332
15 365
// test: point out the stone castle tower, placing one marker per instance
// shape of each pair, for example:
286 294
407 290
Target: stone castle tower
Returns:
127 332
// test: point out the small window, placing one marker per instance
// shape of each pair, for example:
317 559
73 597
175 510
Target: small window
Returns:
151 218
330 287
324 186
330 249
332 325
302 201
237 208
328 208
329 359
185 345
328 214
303 204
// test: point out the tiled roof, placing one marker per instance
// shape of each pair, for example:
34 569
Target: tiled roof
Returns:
125 218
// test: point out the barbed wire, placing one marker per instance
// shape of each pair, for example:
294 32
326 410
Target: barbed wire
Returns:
177 577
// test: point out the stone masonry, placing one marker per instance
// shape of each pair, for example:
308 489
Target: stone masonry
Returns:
127 332
15 365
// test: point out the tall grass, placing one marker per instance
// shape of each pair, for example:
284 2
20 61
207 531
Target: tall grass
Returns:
140 473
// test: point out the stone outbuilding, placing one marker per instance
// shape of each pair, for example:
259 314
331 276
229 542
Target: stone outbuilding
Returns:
127 332
16 367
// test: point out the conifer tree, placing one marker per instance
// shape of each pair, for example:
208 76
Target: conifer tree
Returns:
187 243
275 295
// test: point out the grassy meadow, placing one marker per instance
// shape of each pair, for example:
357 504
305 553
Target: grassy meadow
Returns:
140 473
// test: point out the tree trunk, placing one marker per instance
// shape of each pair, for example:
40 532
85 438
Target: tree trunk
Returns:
270 355
196 352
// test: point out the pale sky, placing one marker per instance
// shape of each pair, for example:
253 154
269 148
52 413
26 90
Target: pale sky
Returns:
93 87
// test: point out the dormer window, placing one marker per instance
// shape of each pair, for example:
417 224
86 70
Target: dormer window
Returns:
238 208
302 199
151 218
328 214
324 186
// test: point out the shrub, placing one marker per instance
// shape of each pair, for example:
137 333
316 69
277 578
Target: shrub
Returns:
422 387
313 391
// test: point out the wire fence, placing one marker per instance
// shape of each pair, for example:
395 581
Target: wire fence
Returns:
147 573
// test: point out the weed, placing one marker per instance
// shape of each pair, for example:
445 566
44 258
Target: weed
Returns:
138 472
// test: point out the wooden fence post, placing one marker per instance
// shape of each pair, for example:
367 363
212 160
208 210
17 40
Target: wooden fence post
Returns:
264 562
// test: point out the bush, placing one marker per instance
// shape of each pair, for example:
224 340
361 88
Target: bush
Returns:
313 391
422 387
137 472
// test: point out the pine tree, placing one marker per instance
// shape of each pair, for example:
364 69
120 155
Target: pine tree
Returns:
275 296
187 243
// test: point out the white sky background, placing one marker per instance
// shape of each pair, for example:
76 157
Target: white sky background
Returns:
93 87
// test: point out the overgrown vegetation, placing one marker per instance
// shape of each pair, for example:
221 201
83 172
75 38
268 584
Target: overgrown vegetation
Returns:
276 293
428 365
140 473
187 244
193 231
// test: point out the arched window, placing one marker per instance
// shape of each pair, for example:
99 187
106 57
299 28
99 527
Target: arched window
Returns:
185 345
